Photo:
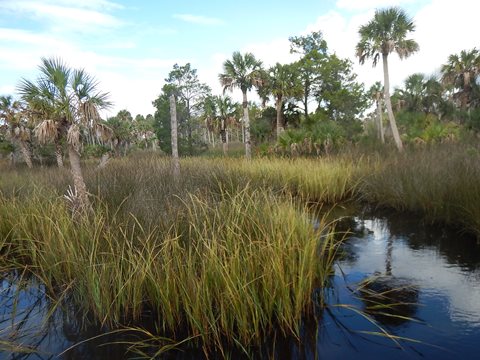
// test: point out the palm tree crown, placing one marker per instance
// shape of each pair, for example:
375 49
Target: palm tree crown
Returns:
384 34
242 71
461 69
63 93
461 72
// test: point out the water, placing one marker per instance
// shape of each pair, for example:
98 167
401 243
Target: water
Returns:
434 271
435 268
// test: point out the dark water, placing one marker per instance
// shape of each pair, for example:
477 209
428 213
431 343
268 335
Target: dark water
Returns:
435 269
429 276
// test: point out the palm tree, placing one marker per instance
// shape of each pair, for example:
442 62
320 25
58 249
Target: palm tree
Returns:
461 72
376 93
414 92
225 111
243 72
71 101
208 116
433 100
283 82
384 34
421 94
13 114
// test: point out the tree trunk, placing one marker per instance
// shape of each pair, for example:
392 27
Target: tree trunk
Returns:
381 132
246 118
78 181
223 135
103 161
59 155
306 94
26 153
225 147
391 117
173 120
279 106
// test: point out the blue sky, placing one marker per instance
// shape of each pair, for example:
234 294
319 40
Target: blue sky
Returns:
130 46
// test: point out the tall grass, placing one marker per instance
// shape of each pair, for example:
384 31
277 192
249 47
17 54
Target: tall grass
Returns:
326 180
229 268
440 182
224 254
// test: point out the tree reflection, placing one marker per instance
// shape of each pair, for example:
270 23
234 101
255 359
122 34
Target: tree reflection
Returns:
390 300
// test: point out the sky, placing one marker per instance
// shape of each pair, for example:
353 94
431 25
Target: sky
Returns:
130 46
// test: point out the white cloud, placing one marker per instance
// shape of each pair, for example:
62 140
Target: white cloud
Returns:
89 4
132 82
271 52
208 72
442 29
369 4
341 34
7 90
73 16
199 19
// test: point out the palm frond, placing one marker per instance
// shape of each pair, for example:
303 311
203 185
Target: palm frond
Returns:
103 132
46 131
73 137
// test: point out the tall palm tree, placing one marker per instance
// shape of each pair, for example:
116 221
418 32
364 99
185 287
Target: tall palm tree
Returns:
384 34
461 72
243 72
13 114
283 82
71 101
376 93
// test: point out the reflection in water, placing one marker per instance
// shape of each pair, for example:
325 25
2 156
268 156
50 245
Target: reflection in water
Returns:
431 271
389 300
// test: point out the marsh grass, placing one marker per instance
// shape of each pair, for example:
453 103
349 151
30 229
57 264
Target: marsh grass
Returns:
223 255
226 266
439 182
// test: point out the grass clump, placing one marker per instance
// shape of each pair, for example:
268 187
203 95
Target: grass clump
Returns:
230 268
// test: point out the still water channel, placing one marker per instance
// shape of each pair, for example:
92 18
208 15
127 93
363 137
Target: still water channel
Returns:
429 277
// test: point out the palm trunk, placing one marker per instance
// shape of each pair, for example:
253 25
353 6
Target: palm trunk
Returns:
381 132
26 153
248 145
103 160
78 181
279 106
173 120
225 148
223 135
59 155
388 102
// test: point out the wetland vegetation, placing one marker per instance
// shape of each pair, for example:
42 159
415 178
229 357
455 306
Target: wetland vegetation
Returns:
232 250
